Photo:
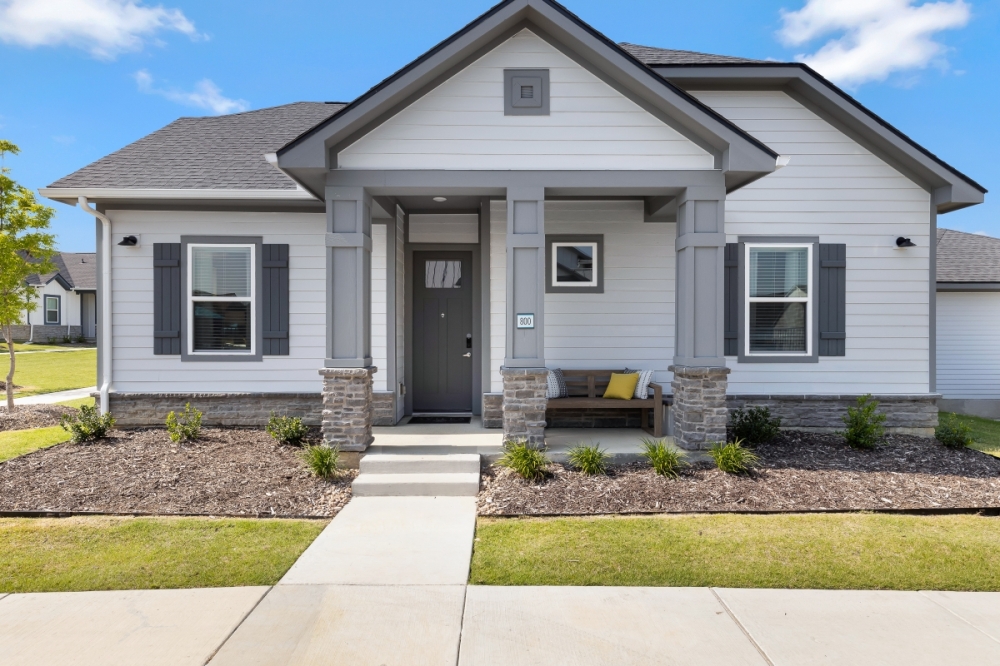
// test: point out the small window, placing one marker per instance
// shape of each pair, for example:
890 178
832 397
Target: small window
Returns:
779 300
574 264
526 92
52 309
221 298
443 274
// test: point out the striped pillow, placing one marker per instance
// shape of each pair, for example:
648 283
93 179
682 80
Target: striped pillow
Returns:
642 386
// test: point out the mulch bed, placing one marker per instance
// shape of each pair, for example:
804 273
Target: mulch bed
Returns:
23 417
225 472
798 471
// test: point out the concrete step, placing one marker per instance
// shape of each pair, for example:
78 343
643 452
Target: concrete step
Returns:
397 463
464 484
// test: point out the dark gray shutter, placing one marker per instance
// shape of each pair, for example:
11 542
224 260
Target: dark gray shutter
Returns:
167 298
732 299
832 299
274 301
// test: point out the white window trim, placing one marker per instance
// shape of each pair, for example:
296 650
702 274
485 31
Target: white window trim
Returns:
808 300
191 300
574 285
45 310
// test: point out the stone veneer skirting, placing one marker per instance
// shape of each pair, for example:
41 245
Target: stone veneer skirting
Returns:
22 333
493 410
383 408
218 409
905 414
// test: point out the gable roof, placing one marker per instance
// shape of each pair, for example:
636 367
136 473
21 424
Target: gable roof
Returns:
652 55
964 257
217 152
74 270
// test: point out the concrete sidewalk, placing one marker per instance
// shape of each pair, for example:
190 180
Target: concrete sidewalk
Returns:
58 396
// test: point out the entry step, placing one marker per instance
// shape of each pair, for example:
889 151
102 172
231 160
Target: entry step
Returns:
451 484
399 463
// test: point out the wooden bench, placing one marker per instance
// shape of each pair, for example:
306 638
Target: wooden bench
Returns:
585 388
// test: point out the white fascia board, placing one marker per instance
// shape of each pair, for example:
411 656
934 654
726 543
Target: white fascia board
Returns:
112 193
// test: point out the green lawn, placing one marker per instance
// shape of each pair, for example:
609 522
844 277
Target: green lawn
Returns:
14 443
986 432
104 553
45 373
831 551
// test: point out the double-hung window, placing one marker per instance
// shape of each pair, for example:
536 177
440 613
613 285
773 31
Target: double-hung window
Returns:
779 299
221 299
52 309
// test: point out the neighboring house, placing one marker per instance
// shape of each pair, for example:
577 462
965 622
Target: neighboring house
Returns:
66 301
968 323
526 195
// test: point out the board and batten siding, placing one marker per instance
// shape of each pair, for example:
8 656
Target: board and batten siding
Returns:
380 329
968 345
837 190
461 123
631 324
136 369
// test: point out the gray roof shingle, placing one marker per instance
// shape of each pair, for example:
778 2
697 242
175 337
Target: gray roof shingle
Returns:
77 269
963 257
652 56
218 152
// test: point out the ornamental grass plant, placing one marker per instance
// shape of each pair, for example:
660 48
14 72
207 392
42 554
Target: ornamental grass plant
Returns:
590 460
666 460
323 461
733 457
529 463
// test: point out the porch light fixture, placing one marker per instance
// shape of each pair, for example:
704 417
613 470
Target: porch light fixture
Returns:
440 199
129 241
904 242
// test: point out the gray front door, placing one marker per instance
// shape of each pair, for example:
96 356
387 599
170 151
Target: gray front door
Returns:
442 331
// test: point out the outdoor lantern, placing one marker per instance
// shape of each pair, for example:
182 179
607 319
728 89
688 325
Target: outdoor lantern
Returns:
904 242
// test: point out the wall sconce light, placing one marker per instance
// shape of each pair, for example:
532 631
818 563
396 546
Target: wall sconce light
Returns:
904 242
129 241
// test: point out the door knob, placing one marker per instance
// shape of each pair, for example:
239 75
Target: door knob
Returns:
467 355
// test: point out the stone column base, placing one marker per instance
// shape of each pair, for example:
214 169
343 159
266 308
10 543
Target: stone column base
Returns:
347 407
524 404
699 409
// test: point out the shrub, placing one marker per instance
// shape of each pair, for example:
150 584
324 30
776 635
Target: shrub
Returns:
526 462
864 424
953 433
286 429
87 424
80 339
733 458
755 425
322 460
66 339
185 428
666 460
589 459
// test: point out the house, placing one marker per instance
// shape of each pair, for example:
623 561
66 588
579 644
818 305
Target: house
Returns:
968 316
66 301
526 195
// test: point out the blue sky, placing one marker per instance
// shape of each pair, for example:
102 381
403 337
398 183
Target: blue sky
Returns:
83 78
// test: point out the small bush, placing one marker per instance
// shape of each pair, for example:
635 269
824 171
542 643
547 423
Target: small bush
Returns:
864 425
286 429
953 433
66 339
185 428
80 339
666 460
755 425
526 462
733 458
322 460
589 459
88 424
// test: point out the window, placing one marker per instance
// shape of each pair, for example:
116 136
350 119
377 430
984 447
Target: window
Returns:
779 299
221 316
526 92
574 264
52 309
443 274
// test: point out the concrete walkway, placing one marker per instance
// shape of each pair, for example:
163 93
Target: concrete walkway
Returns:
58 396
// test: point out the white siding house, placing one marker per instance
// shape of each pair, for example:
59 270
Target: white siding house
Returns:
65 301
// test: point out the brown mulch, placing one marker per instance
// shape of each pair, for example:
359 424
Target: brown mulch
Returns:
224 472
798 471
23 417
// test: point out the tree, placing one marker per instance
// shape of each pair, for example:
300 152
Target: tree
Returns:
25 249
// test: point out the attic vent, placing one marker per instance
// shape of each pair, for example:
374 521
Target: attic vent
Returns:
526 92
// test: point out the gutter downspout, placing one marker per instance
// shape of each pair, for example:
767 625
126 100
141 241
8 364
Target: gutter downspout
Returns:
105 302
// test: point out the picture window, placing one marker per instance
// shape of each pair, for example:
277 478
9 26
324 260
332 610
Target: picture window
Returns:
574 264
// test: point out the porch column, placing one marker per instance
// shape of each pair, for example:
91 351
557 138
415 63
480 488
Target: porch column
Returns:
524 374
347 371
699 384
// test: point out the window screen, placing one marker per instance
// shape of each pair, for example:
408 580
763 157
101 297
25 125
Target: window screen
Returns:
221 298
778 300
443 274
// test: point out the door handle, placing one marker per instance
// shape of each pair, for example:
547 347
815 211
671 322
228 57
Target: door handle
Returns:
467 355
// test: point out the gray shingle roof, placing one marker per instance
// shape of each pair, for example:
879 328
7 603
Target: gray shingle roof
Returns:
963 257
651 56
77 269
218 152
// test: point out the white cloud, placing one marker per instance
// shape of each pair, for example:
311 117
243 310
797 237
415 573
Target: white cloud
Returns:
206 95
872 39
105 28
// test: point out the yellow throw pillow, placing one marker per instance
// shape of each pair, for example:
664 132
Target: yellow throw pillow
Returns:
621 387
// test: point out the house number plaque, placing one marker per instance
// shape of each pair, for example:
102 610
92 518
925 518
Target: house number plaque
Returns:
526 320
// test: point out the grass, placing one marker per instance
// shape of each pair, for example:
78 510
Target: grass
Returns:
985 432
14 443
78 403
106 553
831 551
46 373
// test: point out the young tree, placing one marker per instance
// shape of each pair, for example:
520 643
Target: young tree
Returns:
25 248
